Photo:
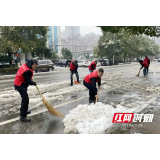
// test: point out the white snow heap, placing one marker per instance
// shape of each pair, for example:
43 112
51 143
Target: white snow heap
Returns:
92 119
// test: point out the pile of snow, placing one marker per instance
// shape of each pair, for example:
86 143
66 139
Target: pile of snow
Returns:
91 119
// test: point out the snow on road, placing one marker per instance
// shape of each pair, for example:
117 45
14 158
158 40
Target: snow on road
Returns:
55 92
92 119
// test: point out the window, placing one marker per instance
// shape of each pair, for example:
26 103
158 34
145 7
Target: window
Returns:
43 62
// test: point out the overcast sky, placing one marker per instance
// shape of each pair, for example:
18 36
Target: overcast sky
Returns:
87 29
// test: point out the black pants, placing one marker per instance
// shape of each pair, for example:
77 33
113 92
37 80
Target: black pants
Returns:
91 91
24 102
77 75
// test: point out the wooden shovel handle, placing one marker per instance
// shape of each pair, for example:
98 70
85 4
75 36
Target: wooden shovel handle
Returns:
96 97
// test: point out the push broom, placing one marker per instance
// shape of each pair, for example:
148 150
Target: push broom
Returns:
138 73
52 110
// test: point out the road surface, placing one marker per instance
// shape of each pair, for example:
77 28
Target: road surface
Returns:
120 84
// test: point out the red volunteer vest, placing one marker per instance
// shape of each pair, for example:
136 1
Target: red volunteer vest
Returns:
146 60
19 79
93 65
91 75
145 64
72 67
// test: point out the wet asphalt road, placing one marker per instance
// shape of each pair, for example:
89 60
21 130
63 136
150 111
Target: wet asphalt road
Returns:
44 123
63 75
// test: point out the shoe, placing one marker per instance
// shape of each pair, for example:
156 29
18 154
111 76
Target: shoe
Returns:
90 101
28 112
71 84
25 119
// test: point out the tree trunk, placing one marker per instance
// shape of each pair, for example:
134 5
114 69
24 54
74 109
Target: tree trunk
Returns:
125 57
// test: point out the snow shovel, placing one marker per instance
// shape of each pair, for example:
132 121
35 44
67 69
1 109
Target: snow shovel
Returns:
75 81
52 110
138 73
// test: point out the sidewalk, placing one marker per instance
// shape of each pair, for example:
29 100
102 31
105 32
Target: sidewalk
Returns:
146 127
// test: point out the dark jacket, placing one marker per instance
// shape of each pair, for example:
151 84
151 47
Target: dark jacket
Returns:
27 75
68 61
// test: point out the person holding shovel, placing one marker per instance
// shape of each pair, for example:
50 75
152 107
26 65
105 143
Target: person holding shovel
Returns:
22 80
73 70
144 65
90 83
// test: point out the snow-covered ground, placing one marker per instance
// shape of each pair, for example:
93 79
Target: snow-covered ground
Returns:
92 119
121 91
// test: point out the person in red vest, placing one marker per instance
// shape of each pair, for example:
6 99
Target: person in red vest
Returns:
22 80
145 65
73 69
148 61
90 83
92 66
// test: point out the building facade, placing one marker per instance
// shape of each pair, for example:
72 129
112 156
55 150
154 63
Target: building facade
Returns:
54 38
72 31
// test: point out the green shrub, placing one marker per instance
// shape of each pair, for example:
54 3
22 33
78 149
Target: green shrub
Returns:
7 71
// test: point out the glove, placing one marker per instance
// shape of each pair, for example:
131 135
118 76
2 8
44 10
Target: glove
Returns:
34 83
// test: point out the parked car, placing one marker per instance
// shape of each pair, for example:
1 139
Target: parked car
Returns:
83 63
61 62
45 65
104 62
159 60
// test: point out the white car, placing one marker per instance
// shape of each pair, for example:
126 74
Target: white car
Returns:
83 63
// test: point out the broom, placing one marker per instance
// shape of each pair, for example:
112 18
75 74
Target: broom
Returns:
49 106
138 73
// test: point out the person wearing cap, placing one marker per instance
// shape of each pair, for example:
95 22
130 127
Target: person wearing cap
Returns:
73 70
92 66
22 80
